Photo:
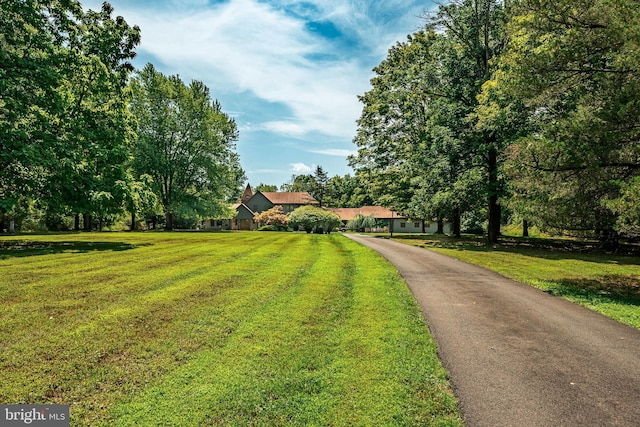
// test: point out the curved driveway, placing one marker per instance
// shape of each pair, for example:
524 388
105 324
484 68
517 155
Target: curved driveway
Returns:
516 355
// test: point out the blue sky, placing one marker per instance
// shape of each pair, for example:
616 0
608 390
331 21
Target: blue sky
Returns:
289 72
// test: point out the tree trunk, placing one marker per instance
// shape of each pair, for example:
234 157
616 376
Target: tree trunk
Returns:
86 219
493 231
424 228
154 222
525 228
169 221
76 223
133 220
494 219
456 223
440 225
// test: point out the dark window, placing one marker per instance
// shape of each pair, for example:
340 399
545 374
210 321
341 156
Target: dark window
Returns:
403 224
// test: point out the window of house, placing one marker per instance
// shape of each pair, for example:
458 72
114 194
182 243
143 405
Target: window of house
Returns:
416 225
403 224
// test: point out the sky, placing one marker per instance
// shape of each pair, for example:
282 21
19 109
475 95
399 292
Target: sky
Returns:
288 72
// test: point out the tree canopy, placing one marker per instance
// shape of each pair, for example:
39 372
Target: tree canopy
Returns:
185 143
529 105
73 141
64 125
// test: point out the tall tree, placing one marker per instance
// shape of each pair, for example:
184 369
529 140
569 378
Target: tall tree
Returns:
34 36
186 143
347 192
575 65
92 175
417 138
320 188
475 29
304 182
63 115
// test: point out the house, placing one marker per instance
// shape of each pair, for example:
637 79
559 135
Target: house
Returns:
401 224
251 204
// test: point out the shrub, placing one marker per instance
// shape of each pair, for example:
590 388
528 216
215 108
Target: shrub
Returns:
311 218
274 216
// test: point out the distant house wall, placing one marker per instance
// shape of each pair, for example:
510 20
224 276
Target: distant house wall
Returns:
259 203
405 225
216 224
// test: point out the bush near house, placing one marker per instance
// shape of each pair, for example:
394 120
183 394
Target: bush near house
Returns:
311 218
273 219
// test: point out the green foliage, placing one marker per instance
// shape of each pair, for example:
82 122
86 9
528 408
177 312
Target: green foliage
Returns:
418 146
275 329
273 217
362 222
65 130
574 66
299 183
265 188
627 208
311 218
185 143
348 192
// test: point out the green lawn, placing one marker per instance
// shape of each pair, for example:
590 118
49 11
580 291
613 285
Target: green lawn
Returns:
607 283
191 329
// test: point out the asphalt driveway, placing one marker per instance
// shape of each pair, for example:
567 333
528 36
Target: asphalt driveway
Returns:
516 355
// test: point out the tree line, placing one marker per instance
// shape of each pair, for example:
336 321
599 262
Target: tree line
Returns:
526 111
84 137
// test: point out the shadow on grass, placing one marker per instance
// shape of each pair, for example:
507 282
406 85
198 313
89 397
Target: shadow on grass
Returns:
26 248
544 248
617 289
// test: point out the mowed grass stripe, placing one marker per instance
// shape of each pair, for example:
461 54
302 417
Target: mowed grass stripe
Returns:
75 330
131 273
256 328
324 352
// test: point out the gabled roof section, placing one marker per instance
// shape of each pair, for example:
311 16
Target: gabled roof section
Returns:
290 198
241 206
379 212
248 193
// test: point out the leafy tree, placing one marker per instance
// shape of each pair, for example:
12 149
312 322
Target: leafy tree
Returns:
266 188
92 175
362 222
312 218
299 183
186 143
574 65
274 217
31 56
626 208
347 192
63 117
418 146
140 198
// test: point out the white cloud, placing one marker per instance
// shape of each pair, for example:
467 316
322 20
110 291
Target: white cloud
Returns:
247 45
287 84
300 168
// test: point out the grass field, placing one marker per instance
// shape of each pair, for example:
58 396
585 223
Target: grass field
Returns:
191 329
604 282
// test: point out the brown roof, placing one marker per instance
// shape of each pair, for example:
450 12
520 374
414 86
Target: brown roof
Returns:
347 214
290 198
